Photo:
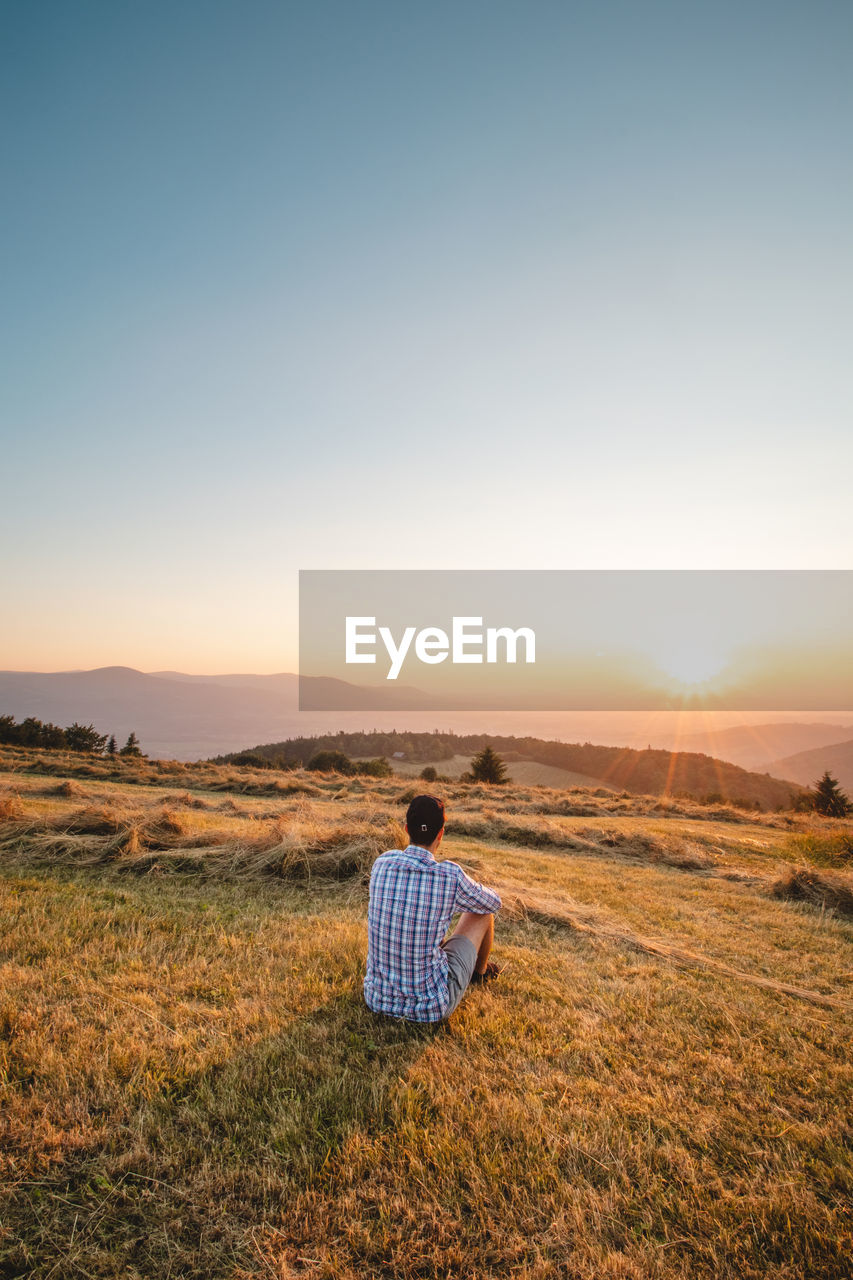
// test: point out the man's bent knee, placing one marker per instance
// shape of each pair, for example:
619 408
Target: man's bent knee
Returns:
474 926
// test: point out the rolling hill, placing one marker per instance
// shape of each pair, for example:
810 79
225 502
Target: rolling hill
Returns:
649 772
757 746
807 766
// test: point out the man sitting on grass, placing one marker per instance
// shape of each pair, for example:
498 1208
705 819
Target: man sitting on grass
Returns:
411 972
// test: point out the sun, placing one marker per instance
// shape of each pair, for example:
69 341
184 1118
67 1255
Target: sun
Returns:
692 662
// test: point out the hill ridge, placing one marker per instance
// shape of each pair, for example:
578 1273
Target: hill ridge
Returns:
648 772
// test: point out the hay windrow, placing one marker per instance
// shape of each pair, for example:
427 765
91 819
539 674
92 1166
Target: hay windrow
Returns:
93 820
295 848
802 884
11 809
188 801
66 789
308 842
306 849
534 833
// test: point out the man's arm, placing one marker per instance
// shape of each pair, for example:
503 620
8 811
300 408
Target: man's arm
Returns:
473 896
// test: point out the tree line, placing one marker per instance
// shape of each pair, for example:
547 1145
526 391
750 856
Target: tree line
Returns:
650 772
296 752
75 737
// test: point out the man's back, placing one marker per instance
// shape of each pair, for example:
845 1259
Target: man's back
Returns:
412 900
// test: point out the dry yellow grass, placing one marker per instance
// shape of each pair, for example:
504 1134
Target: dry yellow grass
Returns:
191 1085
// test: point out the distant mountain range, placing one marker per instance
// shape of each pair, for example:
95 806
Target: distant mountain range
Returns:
173 715
185 717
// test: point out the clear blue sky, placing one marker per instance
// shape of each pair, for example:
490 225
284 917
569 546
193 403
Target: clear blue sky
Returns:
386 285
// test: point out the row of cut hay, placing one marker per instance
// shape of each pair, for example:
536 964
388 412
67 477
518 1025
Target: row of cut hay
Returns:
580 802
263 786
67 789
489 824
94 833
297 851
802 884
680 854
11 808
166 828
91 835
187 801
304 849
541 834
299 848
202 776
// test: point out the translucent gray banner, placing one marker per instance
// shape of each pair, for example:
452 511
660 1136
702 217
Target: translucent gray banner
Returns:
575 640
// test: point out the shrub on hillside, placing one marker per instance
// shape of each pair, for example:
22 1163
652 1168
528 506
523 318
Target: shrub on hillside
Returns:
374 768
251 760
330 762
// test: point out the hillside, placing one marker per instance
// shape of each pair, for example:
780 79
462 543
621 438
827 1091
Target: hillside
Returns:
526 772
192 1086
758 746
624 768
807 766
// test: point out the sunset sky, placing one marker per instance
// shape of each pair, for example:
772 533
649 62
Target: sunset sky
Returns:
396 286
730 639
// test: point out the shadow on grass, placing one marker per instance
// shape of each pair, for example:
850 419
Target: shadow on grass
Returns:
177 1189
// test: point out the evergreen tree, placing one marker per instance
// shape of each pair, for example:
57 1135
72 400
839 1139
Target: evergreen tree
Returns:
487 766
112 746
829 799
52 736
30 732
85 737
131 747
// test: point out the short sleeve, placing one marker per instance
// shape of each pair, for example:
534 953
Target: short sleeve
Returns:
472 896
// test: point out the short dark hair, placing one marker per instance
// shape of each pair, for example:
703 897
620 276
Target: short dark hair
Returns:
424 819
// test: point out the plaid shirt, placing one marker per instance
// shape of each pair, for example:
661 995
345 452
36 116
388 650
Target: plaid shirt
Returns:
412 900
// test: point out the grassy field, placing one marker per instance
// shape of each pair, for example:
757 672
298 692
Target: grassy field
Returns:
191 1085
